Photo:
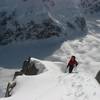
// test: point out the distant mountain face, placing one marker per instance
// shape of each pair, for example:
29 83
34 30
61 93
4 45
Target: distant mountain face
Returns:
36 19
91 6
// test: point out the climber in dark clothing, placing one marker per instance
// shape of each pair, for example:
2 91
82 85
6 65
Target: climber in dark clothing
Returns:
24 69
29 68
26 64
32 70
72 63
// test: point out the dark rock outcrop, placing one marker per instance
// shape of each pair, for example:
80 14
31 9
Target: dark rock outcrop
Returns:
9 88
98 77
91 6
28 68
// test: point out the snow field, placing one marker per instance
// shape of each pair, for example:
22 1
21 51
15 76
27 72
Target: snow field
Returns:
56 85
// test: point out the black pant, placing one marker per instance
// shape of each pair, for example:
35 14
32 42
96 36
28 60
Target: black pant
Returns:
71 68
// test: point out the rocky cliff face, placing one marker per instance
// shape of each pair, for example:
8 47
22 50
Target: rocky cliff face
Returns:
29 31
22 20
91 6
98 77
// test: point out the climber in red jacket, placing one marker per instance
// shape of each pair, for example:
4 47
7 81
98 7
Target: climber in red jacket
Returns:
72 63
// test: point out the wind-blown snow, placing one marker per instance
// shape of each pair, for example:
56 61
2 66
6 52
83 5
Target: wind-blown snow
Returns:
86 51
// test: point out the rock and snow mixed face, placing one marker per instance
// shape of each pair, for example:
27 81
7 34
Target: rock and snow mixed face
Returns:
91 7
32 19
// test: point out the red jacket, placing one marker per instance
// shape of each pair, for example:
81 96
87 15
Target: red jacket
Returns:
72 62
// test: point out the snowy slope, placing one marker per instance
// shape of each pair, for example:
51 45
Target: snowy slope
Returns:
13 55
54 84
86 49
5 76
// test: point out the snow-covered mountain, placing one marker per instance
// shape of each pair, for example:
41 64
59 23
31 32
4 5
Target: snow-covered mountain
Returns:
22 20
55 51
